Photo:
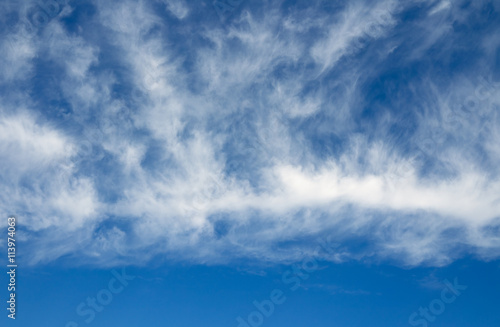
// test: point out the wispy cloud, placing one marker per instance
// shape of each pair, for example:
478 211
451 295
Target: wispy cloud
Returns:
248 139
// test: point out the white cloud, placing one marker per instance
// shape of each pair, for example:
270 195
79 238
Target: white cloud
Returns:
37 169
153 161
357 21
178 7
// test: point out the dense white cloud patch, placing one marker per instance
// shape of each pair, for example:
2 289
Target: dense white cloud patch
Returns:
38 177
250 141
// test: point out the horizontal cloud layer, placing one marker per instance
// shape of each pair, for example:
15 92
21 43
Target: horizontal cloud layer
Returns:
131 130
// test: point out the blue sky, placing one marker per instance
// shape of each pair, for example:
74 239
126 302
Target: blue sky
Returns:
209 147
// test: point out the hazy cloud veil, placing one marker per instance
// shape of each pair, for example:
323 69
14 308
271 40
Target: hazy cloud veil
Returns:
127 133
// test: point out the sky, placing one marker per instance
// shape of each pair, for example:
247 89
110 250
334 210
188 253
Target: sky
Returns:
251 162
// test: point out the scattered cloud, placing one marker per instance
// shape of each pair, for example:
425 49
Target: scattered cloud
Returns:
133 136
